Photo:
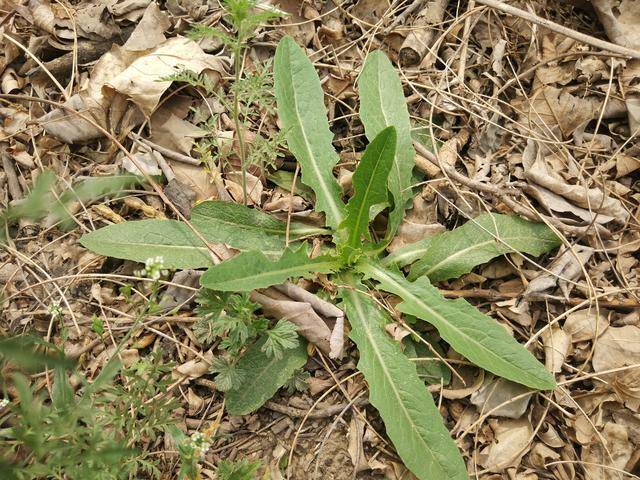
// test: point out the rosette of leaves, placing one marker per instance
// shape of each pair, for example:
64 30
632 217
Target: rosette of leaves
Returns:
381 182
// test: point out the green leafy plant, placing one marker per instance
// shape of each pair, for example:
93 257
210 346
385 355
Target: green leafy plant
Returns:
381 181
250 94
86 434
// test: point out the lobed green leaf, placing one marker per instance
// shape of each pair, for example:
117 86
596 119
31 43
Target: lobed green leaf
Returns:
370 185
454 253
301 110
471 333
263 376
382 104
412 420
250 270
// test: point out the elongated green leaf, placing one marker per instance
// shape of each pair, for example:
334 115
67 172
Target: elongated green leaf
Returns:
218 222
251 270
457 252
408 254
410 415
301 110
172 240
382 104
246 228
263 376
370 185
471 333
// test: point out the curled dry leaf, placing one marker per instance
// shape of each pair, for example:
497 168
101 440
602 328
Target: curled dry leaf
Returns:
194 368
551 108
123 75
626 384
310 325
538 172
556 348
563 270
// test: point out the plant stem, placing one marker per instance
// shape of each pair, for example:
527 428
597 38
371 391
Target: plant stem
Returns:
237 65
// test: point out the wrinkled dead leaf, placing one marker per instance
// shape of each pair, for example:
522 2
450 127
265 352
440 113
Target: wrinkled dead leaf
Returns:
498 396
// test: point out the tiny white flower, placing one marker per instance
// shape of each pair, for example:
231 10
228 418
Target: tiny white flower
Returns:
3 403
55 310
153 268
200 443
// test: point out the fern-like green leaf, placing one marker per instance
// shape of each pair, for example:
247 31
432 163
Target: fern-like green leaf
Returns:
471 333
382 104
301 110
410 415
250 270
370 185
452 254
263 376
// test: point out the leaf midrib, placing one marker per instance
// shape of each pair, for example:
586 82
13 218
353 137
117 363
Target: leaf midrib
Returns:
279 232
384 368
295 270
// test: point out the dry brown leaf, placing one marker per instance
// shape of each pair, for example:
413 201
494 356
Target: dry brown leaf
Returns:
551 108
197 179
233 182
626 384
586 324
620 20
419 222
537 171
194 368
617 347
564 269
497 396
615 453
168 129
556 348
310 324
121 76
150 30
355 446
510 443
